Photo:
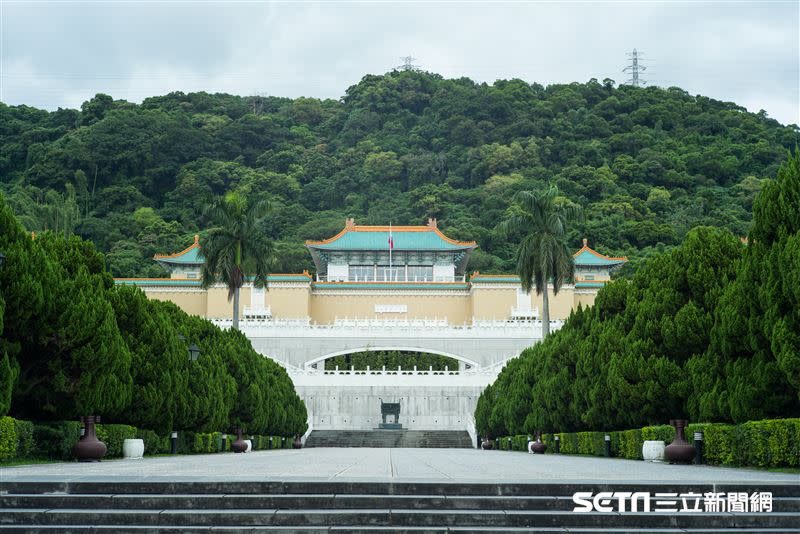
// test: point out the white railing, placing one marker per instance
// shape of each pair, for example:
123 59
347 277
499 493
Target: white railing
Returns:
524 312
414 328
385 371
400 278
257 312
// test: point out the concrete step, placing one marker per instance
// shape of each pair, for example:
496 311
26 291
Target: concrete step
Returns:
303 501
389 438
343 506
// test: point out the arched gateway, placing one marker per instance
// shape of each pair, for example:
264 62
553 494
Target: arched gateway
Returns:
385 288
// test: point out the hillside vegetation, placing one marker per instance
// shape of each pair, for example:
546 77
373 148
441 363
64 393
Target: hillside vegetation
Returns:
646 165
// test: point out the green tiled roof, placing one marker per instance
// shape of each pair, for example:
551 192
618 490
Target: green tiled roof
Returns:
587 258
510 279
379 240
590 284
196 283
155 282
190 256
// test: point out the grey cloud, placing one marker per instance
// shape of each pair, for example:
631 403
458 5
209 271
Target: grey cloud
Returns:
61 53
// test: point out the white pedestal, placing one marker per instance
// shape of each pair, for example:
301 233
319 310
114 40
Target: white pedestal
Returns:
249 445
133 449
653 451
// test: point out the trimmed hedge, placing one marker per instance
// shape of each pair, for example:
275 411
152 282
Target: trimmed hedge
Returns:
767 443
55 440
8 438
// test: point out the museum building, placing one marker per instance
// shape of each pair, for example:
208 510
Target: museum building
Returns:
400 273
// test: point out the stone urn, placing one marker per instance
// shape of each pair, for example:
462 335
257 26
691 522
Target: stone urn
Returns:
653 451
679 451
537 447
486 444
89 448
298 443
239 445
133 449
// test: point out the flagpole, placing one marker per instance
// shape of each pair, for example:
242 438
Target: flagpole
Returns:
390 251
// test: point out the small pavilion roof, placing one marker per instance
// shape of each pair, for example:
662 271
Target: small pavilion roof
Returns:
591 258
188 256
354 237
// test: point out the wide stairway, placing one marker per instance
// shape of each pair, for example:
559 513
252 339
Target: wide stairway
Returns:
439 439
359 507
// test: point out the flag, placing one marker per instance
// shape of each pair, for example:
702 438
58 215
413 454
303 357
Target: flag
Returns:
391 239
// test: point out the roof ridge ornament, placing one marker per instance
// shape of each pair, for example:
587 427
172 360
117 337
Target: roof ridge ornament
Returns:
349 222
432 222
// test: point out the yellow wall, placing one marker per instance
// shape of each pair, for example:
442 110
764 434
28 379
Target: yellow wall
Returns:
298 301
326 308
288 302
193 303
493 301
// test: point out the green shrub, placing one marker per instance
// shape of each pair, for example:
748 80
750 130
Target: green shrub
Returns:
153 443
24 438
8 438
55 440
113 436
717 441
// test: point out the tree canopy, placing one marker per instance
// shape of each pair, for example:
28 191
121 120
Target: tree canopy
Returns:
74 344
646 164
708 330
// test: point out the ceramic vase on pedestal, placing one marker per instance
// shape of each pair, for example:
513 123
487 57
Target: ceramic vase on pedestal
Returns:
89 448
537 447
298 443
239 445
486 444
679 451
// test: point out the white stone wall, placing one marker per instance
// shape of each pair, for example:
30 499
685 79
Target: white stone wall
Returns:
339 401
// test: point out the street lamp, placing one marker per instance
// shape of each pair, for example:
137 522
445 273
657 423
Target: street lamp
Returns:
194 352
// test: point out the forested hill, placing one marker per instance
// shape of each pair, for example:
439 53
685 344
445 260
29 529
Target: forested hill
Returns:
645 164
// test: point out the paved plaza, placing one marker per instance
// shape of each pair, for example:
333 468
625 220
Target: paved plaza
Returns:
468 465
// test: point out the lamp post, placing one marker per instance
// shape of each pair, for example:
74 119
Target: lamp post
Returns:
607 439
194 352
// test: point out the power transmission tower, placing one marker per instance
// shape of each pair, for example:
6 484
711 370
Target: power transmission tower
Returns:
408 63
635 68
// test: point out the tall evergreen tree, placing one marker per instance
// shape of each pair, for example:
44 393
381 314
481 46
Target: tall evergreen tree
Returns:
544 255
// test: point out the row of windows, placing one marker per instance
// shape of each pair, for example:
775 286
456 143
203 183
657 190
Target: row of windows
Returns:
384 273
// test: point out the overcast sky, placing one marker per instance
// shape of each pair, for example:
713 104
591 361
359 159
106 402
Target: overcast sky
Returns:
60 53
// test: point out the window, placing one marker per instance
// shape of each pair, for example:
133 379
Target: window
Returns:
191 275
391 274
361 273
420 273
589 277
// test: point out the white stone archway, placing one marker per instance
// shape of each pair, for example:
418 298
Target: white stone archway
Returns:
464 362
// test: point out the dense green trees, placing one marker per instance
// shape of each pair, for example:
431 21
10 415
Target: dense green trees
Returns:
75 344
392 360
707 330
646 164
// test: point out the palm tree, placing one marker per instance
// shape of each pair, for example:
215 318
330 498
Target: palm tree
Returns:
235 244
543 255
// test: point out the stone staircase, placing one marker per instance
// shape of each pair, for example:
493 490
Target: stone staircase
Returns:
144 505
452 439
